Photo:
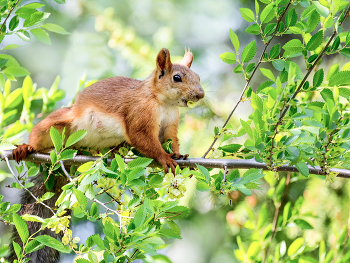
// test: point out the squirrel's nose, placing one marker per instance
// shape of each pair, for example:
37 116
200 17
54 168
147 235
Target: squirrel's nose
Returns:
200 93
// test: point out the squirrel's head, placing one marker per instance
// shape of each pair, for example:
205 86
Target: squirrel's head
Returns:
176 84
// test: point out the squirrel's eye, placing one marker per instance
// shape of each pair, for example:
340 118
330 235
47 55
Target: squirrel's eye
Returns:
177 78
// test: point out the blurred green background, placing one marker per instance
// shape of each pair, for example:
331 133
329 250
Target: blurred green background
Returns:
122 38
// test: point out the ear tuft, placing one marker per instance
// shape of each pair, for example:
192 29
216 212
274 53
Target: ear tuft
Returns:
164 64
187 59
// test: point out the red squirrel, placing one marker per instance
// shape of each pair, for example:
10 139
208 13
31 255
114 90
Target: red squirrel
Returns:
114 110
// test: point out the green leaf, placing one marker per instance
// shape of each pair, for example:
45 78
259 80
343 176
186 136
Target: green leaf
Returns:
33 218
234 40
296 247
291 18
67 154
17 249
136 173
336 43
33 171
340 78
35 18
312 21
3 62
251 175
60 1
47 196
140 162
16 71
24 35
269 29
81 198
247 14
335 6
238 69
294 151
75 137
33 245
332 70
295 30
267 73
140 216
228 57
204 171
231 148
292 47
275 50
14 23
53 157
263 216
345 52
169 233
347 40
315 41
253 29
307 12
279 64
256 7
41 35
267 14
318 78
327 94
56 138
34 5
53 243
247 128
55 28
303 224
302 168
21 227
249 52
322 10
250 67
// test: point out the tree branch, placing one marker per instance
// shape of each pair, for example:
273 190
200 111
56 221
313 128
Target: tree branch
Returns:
248 81
192 163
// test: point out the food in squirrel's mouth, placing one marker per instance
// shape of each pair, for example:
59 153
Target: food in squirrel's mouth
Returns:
191 104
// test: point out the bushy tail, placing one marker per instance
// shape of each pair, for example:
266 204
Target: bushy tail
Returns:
46 254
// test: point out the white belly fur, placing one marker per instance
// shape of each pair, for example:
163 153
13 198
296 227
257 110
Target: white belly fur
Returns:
102 130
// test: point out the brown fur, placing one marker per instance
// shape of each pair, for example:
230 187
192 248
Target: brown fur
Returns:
146 111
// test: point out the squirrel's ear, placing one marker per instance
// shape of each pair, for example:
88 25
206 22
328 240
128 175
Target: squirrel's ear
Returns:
187 59
164 65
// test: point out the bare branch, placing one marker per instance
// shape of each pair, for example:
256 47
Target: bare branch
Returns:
192 162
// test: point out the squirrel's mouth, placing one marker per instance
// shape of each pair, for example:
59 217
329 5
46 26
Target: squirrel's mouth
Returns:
185 102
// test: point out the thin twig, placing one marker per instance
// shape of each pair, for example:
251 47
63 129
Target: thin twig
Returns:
248 81
36 199
8 15
275 217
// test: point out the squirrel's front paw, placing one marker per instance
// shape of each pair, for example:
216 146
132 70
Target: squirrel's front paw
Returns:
168 162
178 156
22 151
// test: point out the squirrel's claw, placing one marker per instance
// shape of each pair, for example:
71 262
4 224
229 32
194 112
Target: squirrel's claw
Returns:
22 151
178 156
